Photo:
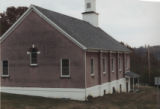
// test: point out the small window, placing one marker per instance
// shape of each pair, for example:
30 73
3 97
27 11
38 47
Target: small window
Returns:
65 68
5 68
92 66
104 65
88 5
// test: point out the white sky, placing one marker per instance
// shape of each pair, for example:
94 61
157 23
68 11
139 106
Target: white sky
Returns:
134 22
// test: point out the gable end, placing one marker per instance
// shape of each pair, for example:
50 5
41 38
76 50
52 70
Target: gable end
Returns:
32 8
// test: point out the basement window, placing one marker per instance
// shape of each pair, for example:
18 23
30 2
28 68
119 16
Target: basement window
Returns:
88 5
65 68
5 68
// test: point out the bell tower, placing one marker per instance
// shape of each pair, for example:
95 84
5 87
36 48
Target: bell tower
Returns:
90 15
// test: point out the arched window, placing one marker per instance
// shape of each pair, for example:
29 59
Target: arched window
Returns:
33 52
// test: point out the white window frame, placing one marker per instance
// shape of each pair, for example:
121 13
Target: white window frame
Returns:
92 73
31 58
104 66
2 69
65 76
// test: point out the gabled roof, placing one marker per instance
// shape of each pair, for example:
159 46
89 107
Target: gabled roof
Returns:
81 32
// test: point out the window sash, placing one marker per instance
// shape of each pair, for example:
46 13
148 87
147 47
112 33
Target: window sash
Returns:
34 59
120 63
5 68
112 64
92 66
65 67
104 65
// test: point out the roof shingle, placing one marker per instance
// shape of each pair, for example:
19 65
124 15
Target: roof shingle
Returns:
86 34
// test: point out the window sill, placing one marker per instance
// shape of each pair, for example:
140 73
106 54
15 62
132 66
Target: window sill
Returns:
92 75
104 73
33 65
65 77
4 76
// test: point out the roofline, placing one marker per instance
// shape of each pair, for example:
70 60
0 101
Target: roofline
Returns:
33 8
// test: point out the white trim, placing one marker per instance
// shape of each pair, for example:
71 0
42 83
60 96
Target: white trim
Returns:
104 73
33 64
13 27
67 76
4 75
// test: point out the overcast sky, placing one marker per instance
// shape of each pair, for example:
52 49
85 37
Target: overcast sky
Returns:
134 22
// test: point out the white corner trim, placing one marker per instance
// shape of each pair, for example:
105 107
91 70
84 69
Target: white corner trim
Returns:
16 24
58 28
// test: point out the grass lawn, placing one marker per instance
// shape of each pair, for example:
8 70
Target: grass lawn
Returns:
146 98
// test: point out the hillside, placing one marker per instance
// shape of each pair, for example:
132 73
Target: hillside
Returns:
155 50
139 63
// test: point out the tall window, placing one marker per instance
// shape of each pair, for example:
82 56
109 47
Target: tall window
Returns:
112 64
92 66
65 68
126 62
119 63
104 65
5 68
34 56
33 52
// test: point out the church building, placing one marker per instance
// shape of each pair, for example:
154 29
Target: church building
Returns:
50 54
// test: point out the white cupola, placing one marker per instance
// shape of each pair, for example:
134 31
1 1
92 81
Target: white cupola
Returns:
90 15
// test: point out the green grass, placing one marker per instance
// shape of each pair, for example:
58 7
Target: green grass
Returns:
146 98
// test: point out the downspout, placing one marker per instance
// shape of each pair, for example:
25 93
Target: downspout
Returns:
100 71
85 76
